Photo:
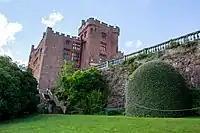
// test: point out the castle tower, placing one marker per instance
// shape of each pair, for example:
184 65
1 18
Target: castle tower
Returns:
100 41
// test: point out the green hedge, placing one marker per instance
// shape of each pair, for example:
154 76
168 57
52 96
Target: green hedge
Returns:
195 101
159 86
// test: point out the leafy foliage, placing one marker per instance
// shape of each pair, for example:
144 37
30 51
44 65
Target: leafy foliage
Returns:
173 44
190 44
144 55
18 90
159 86
133 66
81 92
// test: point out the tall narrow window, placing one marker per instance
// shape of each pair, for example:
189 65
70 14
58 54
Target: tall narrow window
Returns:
66 57
82 36
75 57
103 35
85 33
67 41
91 30
103 47
103 57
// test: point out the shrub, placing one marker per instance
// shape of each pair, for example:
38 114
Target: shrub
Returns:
174 44
156 85
195 101
190 44
82 92
144 56
129 60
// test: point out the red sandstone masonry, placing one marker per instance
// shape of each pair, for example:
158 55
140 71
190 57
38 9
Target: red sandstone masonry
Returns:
94 38
46 60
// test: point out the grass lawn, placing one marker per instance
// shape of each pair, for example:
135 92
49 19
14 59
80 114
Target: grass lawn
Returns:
99 124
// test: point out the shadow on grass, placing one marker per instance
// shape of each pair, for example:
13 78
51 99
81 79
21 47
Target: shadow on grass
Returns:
33 117
42 117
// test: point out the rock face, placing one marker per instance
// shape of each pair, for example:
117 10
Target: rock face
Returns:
116 78
186 60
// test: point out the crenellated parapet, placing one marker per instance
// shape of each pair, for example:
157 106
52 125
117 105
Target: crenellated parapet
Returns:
50 30
92 21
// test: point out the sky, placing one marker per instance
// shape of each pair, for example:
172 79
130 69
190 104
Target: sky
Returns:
142 23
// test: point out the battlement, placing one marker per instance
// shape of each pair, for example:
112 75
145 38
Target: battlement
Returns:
97 22
50 30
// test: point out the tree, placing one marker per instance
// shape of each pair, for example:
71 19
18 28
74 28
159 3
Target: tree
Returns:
18 89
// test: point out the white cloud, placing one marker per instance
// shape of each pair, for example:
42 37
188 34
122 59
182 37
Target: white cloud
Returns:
8 30
138 44
52 19
131 46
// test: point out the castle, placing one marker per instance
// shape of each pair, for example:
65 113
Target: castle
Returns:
96 42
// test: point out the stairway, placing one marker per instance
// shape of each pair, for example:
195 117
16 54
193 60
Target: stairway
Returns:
47 95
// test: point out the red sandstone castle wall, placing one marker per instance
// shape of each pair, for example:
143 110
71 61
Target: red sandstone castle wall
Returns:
36 58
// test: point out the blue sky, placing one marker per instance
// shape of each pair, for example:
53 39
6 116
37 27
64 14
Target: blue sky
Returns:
143 23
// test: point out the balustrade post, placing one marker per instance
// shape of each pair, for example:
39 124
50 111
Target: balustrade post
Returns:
107 63
198 35
195 36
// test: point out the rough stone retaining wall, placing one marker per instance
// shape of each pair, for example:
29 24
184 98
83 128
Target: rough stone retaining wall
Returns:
186 60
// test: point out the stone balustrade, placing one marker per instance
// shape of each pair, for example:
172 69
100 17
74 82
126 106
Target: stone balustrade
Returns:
159 47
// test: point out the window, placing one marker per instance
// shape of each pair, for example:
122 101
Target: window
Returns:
76 46
66 50
91 30
66 57
67 41
103 35
75 57
103 55
35 61
85 34
103 46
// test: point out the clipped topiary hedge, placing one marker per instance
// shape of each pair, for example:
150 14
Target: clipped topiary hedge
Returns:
156 86
195 101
